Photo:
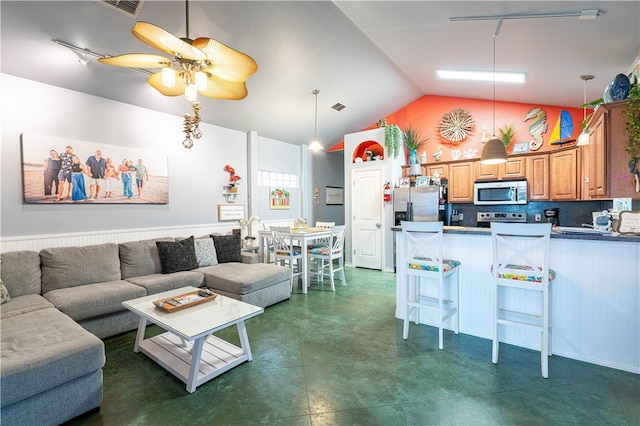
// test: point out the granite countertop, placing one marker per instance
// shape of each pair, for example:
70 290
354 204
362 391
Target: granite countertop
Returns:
567 236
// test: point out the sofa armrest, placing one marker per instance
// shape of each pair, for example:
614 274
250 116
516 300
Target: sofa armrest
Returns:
250 257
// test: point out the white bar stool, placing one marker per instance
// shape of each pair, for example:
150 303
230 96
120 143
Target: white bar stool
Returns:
423 247
521 260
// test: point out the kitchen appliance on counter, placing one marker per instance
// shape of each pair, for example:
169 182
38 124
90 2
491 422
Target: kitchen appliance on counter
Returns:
552 216
498 192
484 219
444 208
425 201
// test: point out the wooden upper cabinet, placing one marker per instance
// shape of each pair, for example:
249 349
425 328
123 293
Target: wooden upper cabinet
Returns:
609 175
538 177
461 177
563 175
442 169
514 168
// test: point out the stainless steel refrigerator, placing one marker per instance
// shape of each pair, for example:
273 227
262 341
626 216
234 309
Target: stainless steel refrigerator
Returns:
425 202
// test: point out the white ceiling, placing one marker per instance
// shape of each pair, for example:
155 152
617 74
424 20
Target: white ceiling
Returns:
373 57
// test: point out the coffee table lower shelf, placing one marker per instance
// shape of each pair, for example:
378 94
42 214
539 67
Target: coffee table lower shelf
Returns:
177 356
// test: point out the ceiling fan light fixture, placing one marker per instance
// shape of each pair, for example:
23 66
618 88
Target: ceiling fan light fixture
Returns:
201 80
168 77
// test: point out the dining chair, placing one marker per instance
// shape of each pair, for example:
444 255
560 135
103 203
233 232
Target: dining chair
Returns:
521 261
424 248
333 250
285 253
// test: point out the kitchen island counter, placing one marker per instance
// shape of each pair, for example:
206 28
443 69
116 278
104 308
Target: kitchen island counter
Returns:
595 296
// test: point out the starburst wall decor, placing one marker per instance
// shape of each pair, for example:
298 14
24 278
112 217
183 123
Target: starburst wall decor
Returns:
456 125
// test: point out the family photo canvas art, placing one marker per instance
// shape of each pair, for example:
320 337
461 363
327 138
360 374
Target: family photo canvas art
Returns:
63 171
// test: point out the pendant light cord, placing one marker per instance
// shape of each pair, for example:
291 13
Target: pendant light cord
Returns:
315 124
186 6
495 35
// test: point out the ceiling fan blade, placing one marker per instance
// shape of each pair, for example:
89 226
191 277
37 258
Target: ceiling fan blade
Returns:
163 40
222 89
155 81
226 63
137 60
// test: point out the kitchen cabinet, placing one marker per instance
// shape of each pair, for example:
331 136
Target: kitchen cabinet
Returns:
538 177
563 174
442 169
461 177
608 171
514 168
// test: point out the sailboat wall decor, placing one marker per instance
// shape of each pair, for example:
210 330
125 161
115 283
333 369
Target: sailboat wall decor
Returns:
563 130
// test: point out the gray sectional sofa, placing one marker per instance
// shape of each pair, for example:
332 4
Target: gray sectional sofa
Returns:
63 300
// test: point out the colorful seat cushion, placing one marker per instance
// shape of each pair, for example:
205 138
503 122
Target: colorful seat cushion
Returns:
323 250
526 276
296 252
447 264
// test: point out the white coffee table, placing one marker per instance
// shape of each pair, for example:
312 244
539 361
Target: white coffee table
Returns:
187 349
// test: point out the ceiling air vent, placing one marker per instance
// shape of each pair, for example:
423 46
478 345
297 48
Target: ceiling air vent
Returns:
128 7
338 107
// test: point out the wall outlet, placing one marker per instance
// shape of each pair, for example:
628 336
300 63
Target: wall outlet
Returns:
538 217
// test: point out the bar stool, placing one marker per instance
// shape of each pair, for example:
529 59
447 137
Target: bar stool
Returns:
423 248
521 260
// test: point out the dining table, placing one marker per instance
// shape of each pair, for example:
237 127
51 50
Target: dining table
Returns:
301 236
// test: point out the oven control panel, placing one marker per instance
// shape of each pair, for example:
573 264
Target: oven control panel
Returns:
485 218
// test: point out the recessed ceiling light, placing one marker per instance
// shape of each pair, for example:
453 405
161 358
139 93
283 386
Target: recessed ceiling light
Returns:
509 77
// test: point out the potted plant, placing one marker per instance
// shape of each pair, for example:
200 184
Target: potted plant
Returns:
413 141
506 134
232 186
392 140
632 112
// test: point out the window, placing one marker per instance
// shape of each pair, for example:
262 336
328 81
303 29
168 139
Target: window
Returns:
284 180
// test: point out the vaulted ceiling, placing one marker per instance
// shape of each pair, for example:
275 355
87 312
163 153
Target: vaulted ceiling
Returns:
374 57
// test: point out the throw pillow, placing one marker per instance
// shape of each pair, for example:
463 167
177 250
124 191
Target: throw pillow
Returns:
205 252
228 248
177 256
4 294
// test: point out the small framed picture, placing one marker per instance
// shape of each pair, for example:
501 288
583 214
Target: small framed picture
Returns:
521 148
422 181
334 196
404 182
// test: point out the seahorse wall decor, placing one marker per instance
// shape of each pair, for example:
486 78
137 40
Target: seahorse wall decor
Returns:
537 128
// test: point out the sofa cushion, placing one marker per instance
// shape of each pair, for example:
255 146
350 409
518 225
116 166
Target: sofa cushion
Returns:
44 349
138 258
205 252
94 300
156 283
20 272
176 256
64 267
23 305
4 293
240 278
228 248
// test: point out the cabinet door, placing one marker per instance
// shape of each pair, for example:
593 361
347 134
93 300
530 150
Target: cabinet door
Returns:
563 175
461 182
442 169
538 177
487 171
513 168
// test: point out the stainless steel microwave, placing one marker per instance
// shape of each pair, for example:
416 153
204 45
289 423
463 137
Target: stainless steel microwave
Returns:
500 192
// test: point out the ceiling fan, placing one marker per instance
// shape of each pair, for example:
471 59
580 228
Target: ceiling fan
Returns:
203 65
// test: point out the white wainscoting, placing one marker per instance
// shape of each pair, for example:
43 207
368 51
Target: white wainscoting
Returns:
595 298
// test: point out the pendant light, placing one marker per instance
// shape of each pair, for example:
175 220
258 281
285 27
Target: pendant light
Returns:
494 151
583 139
315 145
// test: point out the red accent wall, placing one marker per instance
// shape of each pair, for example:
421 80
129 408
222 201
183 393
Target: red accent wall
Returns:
426 112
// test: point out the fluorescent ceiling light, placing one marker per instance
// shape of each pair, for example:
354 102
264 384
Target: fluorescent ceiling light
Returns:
509 77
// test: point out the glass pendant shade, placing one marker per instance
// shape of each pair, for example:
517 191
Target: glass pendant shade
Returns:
315 146
583 139
201 81
494 152
415 170
168 77
191 93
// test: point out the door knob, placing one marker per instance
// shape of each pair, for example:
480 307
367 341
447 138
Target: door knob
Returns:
378 225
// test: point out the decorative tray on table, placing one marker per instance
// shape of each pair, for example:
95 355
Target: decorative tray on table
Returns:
175 303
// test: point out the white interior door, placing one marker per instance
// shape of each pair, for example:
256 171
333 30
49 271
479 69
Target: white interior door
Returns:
366 229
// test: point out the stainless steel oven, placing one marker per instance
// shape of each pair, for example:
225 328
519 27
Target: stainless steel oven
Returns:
499 192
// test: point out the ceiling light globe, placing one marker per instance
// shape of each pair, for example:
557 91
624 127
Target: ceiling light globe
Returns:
201 80
191 93
168 77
